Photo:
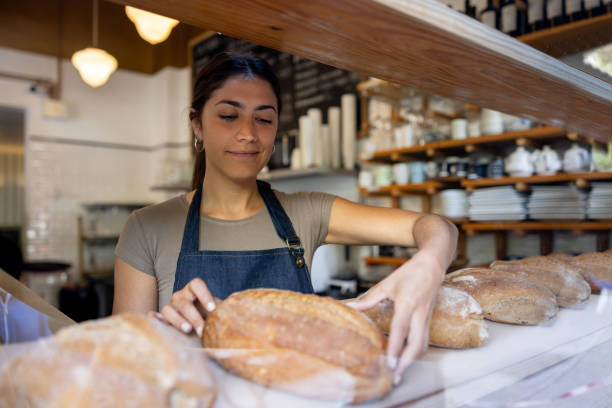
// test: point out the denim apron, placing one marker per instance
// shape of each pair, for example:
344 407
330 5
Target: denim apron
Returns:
226 272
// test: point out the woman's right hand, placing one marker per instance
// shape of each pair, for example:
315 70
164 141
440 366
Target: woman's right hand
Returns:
189 306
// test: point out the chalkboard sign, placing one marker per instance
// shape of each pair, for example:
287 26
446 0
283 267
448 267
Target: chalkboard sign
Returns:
304 83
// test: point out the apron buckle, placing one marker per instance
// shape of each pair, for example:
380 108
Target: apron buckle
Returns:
293 243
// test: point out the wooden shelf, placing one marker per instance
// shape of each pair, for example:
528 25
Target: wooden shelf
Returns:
396 262
571 38
100 240
398 190
286 174
429 149
537 226
279 174
522 183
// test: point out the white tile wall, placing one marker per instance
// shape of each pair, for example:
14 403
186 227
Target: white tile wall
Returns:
144 111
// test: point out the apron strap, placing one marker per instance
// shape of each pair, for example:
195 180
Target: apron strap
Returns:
191 235
281 221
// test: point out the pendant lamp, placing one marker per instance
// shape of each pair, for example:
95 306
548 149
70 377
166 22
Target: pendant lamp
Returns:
94 64
600 59
150 26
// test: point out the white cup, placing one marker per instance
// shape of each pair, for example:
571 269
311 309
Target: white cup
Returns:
459 128
366 179
401 173
474 129
383 175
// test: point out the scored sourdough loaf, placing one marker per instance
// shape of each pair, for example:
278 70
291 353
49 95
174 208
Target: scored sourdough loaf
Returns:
456 320
128 360
595 267
563 279
305 344
504 299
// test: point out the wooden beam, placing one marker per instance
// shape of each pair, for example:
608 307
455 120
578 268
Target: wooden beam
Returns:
420 44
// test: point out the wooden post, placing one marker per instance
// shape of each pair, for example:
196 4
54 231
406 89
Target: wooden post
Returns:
603 243
500 245
546 242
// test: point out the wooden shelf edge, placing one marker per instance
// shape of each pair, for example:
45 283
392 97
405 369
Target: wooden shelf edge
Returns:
535 133
561 40
390 260
555 178
537 226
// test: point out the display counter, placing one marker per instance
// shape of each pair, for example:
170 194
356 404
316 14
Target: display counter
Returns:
564 362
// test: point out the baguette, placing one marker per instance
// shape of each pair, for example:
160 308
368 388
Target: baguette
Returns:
560 277
594 267
122 361
504 299
304 344
456 320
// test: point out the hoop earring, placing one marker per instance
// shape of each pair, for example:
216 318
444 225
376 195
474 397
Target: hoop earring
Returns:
273 149
195 145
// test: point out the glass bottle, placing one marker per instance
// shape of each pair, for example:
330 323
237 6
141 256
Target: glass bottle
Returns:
574 10
555 12
536 15
594 8
490 15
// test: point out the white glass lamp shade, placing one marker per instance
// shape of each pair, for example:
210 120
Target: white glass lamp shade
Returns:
94 65
150 26
600 58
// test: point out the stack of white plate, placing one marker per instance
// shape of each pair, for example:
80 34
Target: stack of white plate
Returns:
563 202
450 203
497 204
600 201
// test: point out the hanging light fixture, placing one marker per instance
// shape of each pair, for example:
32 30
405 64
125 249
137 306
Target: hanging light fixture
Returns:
150 26
94 64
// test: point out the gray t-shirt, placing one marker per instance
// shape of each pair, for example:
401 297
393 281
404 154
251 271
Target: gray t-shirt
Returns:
152 236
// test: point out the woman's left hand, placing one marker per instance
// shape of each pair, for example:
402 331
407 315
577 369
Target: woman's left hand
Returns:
413 288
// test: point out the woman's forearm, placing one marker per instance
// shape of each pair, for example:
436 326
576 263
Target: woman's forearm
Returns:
436 237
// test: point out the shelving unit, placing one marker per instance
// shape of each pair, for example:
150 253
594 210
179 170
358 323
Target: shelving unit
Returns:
534 137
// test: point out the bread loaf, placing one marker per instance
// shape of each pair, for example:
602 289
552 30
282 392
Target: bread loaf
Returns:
594 266
306 344
123 361
504 299
456 320
560 277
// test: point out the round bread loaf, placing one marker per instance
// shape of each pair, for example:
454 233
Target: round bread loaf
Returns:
305 344
504 299
124 361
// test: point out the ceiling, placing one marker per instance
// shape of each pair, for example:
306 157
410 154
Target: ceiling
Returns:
61 27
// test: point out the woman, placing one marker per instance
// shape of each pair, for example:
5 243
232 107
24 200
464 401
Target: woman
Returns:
256 237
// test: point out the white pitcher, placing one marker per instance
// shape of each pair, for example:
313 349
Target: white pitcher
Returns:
519 164
546 161
576 160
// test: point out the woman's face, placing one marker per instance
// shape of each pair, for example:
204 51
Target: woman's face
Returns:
238 126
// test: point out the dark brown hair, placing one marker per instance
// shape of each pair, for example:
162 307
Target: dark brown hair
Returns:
212 76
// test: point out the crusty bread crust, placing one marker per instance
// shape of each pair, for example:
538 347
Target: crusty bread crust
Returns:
504 299
456 320
123 361
305 344
593 266
563 279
